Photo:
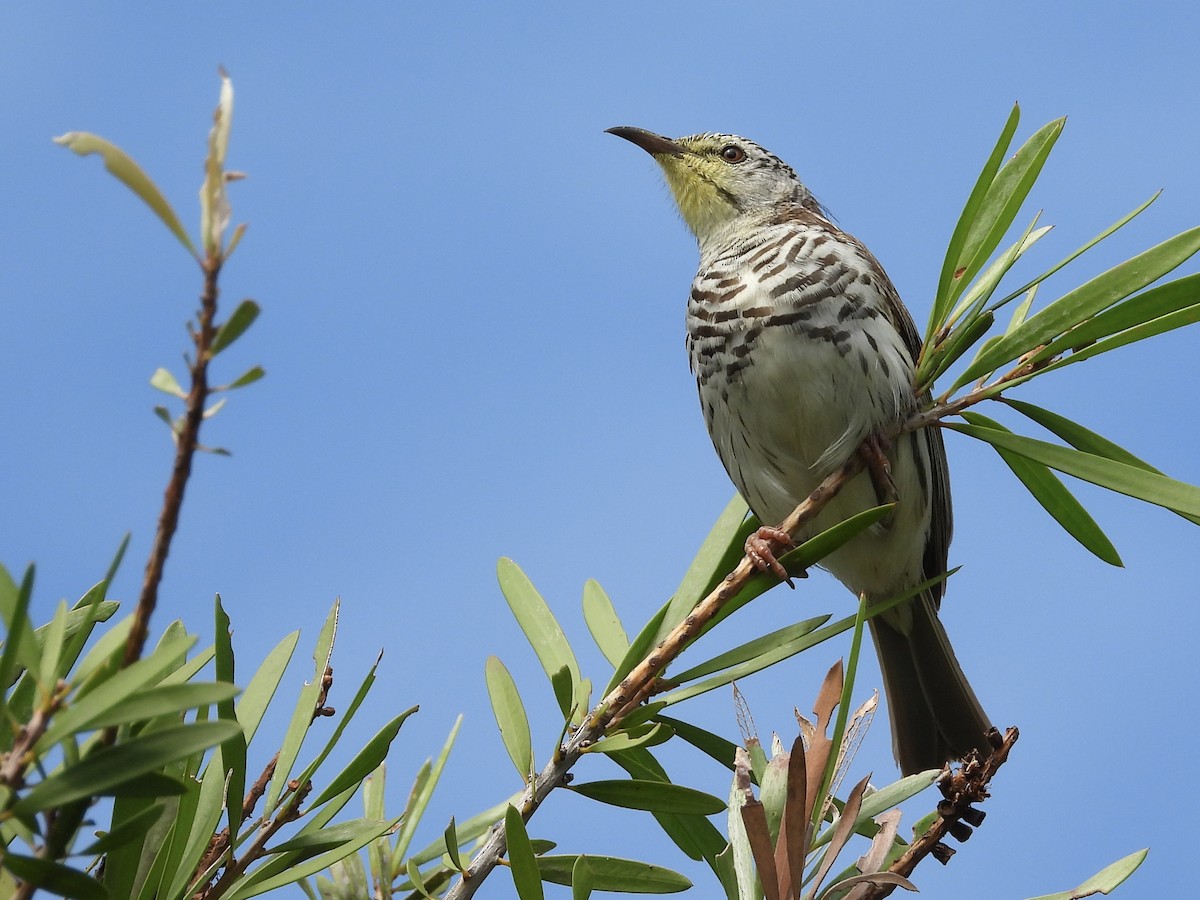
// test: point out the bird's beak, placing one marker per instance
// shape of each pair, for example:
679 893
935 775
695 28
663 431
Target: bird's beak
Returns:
654 144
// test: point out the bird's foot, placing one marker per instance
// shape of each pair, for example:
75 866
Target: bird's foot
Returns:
875 451
761 547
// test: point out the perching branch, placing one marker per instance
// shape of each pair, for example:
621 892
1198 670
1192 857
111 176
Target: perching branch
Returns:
639 684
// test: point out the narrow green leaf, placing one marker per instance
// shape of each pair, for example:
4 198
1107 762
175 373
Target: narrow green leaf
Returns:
51 641
233 751
20 645
959 342
648 734
1089 299
1085 439
750 650
954 266
793 647
603 623
564 691
110 767
327 837
258 693
130 829
470 830
697 837
93 708
235 326
1004 199
720 749
164 381
452 843
288 868
54 877
1107 232
719 552
1124 479
419 799
884 799
582 879
163 700
302 715
653 796
510 716
121 165
1054 497
366 760
1173 297
610 873
1105 881
250 376
537 621
521 860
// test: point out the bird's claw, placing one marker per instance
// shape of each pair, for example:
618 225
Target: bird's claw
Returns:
761 547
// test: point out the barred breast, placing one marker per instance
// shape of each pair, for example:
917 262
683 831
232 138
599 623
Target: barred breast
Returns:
795 339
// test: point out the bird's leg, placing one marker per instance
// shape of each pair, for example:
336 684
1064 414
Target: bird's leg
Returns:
874 451
761 547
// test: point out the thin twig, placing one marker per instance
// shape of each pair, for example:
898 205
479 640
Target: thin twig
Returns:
186 442
962 788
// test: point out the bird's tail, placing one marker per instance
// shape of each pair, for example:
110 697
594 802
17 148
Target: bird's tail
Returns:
935 714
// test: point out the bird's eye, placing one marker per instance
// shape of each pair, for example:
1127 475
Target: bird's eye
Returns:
732 153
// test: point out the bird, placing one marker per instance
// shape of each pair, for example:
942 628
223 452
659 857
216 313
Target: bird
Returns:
803 353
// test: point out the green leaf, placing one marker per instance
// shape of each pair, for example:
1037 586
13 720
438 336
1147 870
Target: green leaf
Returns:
287 868
1105 881
111 767
654 796
235 326
327 837
250 376
521 860
603 623
1054 497
302 715
94 708
691 833
419 798
366 761
1087 300
954 268
610 873
1124 479
452 844
258 693
131 829
582 879
54 877
721 550
510 716
233 751
473 828
564 691
541 628
720 749
164 381
163 700
648 734
20 645
884 799
751 650
796 645
121 165
1084 439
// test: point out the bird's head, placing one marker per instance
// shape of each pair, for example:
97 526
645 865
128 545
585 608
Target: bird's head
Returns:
719 178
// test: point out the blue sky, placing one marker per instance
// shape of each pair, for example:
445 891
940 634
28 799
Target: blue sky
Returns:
472 327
